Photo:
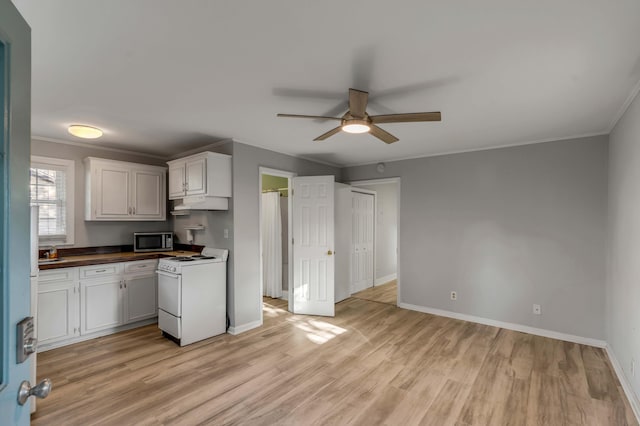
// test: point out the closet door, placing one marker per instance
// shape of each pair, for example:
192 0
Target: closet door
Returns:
362 241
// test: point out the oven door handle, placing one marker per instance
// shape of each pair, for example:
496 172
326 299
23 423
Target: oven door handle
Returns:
167 274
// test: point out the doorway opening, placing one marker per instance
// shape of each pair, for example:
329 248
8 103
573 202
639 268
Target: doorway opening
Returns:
275 241
375 240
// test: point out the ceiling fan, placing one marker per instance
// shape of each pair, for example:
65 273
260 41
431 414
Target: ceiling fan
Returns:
356 120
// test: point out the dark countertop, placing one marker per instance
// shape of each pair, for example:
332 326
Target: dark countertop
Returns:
98 259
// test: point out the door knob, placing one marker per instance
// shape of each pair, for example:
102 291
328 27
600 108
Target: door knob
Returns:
41 390
329 252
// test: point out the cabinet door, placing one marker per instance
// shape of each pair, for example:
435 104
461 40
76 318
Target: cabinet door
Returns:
112 192
148 194
176 180
196 172
101 304
58 316
140 298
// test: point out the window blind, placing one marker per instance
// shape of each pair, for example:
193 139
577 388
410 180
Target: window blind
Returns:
49 192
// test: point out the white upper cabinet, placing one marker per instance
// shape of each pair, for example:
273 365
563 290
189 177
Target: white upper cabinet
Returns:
206 174
117 190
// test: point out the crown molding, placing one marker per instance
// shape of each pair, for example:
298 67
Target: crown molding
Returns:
625 106
462 151
92 146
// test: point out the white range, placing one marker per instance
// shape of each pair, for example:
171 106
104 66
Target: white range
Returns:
192 295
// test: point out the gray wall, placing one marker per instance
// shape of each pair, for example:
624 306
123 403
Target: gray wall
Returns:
88 234
245 299
623 287
506 228
386 228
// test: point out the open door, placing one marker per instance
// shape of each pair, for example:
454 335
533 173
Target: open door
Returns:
313 245
15 141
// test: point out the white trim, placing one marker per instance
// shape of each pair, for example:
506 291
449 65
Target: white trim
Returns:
96 146
199 150
507 325
289 175
462 151
398 182
313 160
625 106
374 181
245 327
70 190
385 279
626 386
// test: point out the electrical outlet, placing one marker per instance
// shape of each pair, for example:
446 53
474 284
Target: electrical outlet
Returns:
454 295
537 310
226 233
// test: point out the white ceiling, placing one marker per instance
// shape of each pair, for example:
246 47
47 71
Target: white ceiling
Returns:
163 76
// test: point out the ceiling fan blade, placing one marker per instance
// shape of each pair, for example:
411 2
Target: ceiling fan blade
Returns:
328 134
358 103
406 118
315 117
383 135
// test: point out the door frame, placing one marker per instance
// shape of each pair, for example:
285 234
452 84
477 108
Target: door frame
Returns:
398 182
289 175
375 231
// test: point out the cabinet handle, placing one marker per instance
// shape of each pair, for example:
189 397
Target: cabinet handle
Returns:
101 270
134 210
129 210
125 284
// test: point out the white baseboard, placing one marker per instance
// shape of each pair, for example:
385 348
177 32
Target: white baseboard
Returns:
385 279
628 390
285 295
508 325
48 346
244 327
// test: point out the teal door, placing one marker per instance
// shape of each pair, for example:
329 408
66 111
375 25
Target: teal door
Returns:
15 140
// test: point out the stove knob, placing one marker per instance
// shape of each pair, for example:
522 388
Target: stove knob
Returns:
173 269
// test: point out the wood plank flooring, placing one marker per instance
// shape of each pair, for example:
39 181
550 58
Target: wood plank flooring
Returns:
385 293
373 364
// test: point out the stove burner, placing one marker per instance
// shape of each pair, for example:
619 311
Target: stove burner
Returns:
201 256
183 259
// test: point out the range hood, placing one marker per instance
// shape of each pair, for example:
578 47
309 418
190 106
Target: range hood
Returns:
201 202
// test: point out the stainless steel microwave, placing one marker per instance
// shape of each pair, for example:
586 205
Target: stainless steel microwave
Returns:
152 241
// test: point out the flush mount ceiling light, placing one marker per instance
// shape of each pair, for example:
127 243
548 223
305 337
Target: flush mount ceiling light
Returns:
85 132
356 126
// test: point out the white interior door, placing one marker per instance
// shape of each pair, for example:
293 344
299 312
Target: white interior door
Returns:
362 241
313 245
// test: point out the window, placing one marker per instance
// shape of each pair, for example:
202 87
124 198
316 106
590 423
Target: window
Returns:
51 189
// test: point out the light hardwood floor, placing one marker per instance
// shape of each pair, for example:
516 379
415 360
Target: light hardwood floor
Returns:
372 364
385 293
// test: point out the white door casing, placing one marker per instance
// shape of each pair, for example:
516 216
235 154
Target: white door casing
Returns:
313 245
362 241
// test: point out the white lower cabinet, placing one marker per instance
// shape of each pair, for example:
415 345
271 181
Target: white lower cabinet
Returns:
141 299
58 315
74 303
101 301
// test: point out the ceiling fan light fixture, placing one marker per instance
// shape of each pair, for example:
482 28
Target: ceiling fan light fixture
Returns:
85 132
356 126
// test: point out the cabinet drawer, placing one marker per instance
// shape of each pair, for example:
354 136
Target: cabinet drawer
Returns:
100 270
57 275
141 266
